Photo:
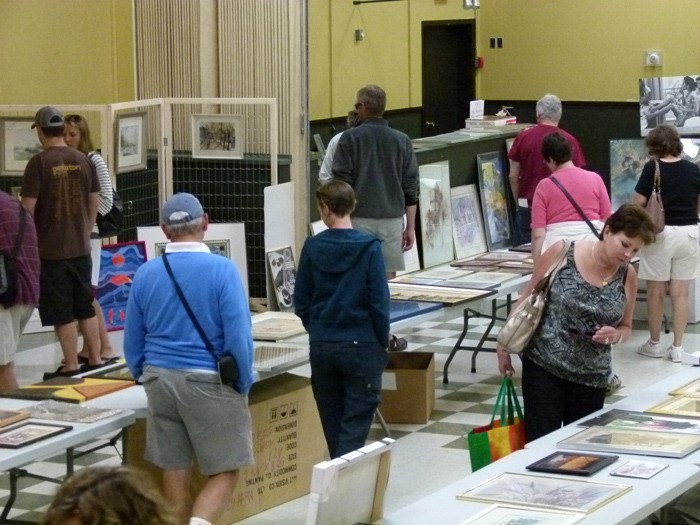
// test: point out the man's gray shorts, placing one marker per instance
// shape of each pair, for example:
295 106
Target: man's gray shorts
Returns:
390 232
192 413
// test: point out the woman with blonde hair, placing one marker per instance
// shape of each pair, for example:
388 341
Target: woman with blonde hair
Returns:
76 133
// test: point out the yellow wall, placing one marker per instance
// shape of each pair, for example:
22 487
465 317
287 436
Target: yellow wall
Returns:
65 51
584 49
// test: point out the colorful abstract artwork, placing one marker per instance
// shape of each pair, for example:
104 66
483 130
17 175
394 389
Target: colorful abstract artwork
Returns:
494 199
118 265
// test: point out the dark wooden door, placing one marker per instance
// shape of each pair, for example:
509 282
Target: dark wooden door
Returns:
448 74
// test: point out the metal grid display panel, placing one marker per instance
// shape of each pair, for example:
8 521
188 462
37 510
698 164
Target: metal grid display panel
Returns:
231 191
139 193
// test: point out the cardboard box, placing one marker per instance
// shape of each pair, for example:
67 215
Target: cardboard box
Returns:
287 442
408 387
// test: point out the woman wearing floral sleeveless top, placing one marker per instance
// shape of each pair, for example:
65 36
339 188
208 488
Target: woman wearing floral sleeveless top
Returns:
566 365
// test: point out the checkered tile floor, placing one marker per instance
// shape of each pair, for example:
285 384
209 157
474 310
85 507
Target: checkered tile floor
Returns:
435 452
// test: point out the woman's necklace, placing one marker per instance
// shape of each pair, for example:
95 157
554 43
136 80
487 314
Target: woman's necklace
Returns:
604 279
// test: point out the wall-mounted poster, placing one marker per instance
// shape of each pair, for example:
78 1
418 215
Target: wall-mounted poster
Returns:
217 136
130 135
283 273
627 158
493 186
19 144
674 101
118 265
435 213
467 223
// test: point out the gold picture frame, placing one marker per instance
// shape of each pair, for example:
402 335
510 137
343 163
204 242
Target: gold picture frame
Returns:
531 490
679 406
691 389
632 441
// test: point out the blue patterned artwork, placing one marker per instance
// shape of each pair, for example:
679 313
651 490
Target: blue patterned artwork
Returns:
118 265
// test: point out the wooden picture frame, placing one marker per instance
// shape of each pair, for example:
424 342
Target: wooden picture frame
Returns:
8 417
130 137
494 188
626 441
533 490
691 389
351 488
19 143
216 136
679 406
506 514
436 294
30 432
467 222
574 463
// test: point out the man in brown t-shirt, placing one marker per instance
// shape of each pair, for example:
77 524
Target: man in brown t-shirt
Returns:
60 188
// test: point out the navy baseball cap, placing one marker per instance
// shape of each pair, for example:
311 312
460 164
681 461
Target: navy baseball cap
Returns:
180 209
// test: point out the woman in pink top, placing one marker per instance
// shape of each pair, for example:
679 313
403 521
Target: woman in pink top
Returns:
554 217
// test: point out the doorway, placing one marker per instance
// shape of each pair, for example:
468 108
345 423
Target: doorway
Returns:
449 49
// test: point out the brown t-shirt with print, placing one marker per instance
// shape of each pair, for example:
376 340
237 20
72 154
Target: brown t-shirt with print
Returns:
61 180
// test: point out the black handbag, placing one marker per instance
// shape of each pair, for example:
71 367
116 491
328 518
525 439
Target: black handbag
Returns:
110 224
9 273
228 369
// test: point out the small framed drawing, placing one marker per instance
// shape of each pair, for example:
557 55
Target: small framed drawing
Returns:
217 247
27 433
217 136
679 406
283 273
494 199
506 514
578 464
569 494
130 135
19 144
638 469
691 389
626 441
467 222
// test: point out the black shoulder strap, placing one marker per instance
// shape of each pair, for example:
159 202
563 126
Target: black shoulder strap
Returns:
575 205
20 231
196 324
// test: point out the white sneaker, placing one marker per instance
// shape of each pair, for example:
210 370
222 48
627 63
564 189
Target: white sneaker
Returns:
651 349
674 353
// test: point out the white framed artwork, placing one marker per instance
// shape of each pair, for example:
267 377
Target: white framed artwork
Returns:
226 239
467 222
435 213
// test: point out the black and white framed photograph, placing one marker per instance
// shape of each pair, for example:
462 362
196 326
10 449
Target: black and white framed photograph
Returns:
217 136
674 101
19 144
130 135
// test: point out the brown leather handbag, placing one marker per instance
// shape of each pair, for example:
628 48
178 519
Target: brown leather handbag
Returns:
655 206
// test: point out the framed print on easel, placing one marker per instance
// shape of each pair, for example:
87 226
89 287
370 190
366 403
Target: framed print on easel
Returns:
130 136
19 143
494 199
467 222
